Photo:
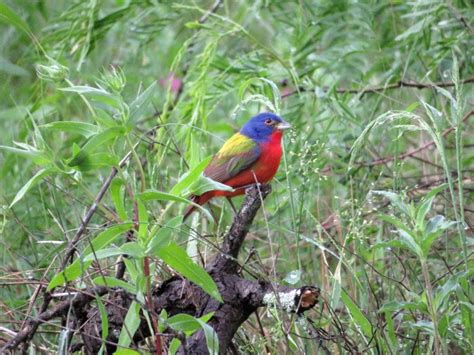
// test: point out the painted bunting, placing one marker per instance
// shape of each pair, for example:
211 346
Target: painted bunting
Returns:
249 156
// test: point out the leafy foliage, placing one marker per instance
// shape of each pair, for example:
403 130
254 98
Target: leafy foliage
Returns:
373 200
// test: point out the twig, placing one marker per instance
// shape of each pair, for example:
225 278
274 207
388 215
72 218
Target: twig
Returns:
399 84
212 10
60 309
417 150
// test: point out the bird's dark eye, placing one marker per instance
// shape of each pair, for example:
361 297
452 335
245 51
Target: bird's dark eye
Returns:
268 122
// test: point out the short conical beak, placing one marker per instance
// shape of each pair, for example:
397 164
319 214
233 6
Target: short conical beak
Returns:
283 125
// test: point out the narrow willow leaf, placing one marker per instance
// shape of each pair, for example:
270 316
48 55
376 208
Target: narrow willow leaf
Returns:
395 306
103 253
123 351
174 346
141 102
187 179
411 243
104 323
32 182
395 199
188 324
12 69
162 237
118 198
133 249
95 142
358 316
176 257
204 184
8 16
76 269
151 195
130 325
336 286
142 220
98 95
85 129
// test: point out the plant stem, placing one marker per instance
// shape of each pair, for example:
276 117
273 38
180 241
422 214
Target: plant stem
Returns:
140 167
431 308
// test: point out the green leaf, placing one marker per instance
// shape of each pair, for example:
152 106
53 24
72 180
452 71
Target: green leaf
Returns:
336 286
425 206
188 324
99 140
395 221
98 95
187 179
142 220
133 249
130 325
358 316
125 351
204 184
410 242
12 69
396 200
76 269
85 129
32 182
118 198
162 237
8 16
395 306
177 258
184 322
32 153
174 346
104 323
141 102
417 28
114 282
434 229
131 269
97 160
211 338
443 292
103 253
152 195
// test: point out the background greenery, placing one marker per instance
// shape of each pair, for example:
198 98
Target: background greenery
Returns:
387 235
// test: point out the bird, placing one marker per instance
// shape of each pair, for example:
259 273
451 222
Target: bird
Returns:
249 157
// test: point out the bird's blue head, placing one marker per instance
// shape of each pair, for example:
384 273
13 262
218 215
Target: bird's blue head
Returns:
263 125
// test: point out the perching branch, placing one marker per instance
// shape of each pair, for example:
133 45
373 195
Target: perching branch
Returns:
241 297
254 197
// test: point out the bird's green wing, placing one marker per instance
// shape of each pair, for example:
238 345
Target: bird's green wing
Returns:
236 155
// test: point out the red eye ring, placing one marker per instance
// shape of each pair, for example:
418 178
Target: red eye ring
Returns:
268 122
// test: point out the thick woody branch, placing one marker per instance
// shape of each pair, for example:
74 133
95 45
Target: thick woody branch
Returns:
254 196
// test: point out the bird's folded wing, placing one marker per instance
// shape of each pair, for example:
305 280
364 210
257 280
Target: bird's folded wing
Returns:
236 155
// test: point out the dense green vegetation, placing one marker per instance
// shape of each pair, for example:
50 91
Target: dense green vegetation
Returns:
373 201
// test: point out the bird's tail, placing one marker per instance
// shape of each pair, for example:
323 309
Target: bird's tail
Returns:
199 200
